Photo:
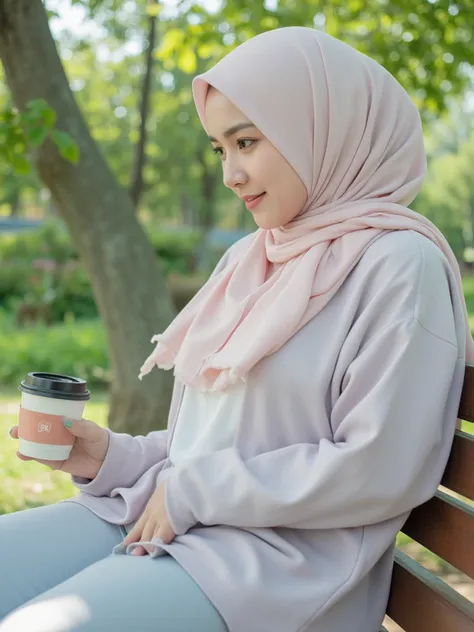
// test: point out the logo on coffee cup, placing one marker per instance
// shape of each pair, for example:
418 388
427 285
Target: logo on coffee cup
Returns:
44 427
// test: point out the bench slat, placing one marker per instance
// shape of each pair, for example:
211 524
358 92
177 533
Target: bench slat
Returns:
466 406
445 526
459 473
420 602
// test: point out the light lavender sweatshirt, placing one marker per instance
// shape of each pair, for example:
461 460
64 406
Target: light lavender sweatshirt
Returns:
344 430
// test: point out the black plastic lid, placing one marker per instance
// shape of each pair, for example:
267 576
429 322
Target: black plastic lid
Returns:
55 386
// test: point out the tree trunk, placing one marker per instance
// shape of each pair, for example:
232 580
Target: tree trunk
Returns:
207 210
129 289
209 179
136 183
187 210
14 202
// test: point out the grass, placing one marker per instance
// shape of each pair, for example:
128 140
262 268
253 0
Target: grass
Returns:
30 484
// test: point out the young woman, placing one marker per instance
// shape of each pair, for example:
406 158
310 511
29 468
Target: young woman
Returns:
317 380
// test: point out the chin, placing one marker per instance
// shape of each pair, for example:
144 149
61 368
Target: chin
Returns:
264 225
272 220
268 223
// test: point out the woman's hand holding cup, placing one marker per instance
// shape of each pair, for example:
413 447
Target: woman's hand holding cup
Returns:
51 429
88 450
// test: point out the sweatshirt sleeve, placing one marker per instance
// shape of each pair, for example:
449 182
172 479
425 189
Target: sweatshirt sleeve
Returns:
394 423
127 459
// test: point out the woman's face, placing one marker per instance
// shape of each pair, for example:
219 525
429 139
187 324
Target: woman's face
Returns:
252 165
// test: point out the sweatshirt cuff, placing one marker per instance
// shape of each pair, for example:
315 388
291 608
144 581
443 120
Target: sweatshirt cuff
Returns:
179 514
115 457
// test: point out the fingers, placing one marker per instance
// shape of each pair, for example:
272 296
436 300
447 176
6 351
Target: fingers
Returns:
165 533
54 465
84 429
148 531
140 550
135 533
143 531
13 432
22 457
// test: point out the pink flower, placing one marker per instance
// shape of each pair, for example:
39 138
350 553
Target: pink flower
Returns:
47 265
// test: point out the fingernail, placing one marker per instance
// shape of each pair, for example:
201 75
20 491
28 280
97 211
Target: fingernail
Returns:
67 423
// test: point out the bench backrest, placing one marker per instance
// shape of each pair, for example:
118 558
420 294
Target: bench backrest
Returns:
419 601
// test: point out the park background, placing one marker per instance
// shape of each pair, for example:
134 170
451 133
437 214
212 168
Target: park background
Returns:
112 209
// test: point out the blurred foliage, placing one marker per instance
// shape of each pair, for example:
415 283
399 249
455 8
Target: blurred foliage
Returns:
23 131
426 45
71 348
74 347
447 197
42 268
423 44
468 286
51 241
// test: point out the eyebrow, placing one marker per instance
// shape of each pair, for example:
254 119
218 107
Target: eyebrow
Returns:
232 130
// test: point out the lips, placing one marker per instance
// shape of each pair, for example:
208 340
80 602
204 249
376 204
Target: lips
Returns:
252 202
249 198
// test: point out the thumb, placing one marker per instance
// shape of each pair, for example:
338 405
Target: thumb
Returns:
83 428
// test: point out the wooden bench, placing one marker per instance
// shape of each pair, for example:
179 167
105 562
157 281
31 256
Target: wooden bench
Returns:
419 601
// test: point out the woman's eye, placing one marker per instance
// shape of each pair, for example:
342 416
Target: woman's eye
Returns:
245 140
241 144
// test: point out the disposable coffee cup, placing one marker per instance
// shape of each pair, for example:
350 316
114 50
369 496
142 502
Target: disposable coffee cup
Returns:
46 400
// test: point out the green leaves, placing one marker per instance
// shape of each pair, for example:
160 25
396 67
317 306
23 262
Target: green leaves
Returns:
172 41
187 61
178 49
153 10
431 37
13 141
67 147
39 112
36 121
23 131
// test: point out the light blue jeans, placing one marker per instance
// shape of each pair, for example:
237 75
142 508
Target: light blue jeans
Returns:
57 574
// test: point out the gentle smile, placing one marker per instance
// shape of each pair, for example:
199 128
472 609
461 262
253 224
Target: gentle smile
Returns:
252 203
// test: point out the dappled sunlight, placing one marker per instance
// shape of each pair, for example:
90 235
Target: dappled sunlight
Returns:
58 614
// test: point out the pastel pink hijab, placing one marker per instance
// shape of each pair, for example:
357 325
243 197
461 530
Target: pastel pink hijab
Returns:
353 135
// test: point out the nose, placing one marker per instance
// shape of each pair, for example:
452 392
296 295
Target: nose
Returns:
233 173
